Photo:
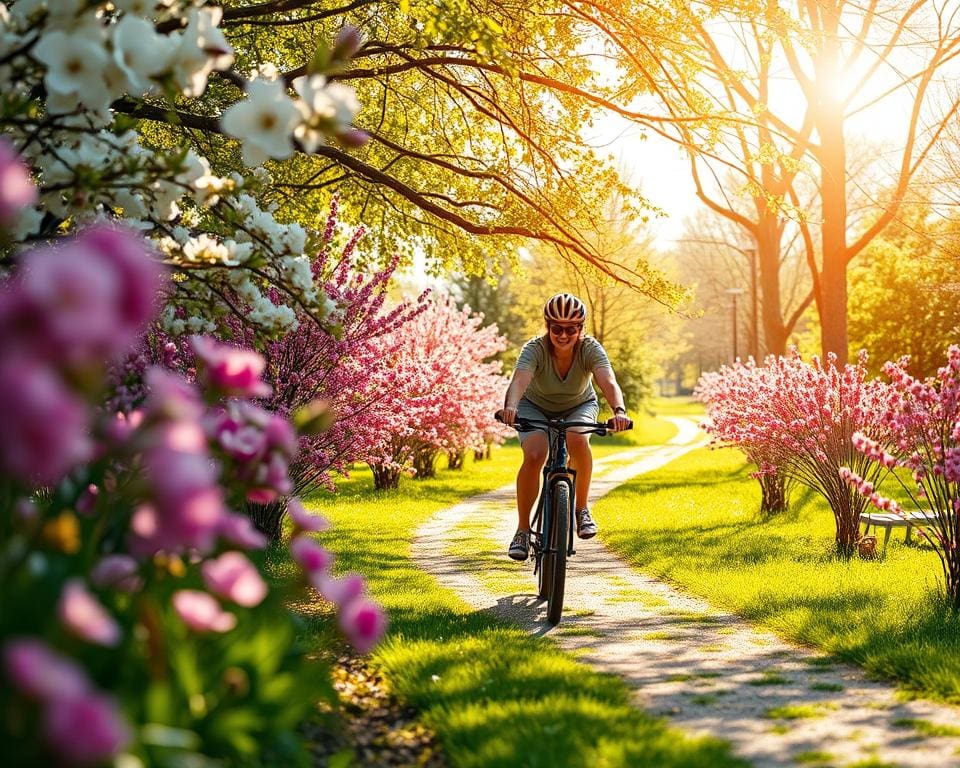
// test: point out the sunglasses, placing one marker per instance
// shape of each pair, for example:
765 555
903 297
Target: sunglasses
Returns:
565 330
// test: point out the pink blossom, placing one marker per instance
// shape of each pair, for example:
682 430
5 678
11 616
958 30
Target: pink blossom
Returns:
339 591
363 622
233 577
309 555
170 396
17 190
187 505
120 572
228 369
39 672
90 296
240 532
304 521
140 275
85 729
83 616
46 428
201 612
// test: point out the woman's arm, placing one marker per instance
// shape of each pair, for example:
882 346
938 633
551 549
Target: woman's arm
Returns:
518 385
607 381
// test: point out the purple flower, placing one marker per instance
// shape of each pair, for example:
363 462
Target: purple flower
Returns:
229 370
363 622
304 521
16 188
40 673
339 591
45 426
201 612
120 572
233 577
239 531
85 729
310 556
84 617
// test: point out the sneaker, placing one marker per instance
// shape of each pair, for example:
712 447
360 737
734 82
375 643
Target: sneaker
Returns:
586 528
520 546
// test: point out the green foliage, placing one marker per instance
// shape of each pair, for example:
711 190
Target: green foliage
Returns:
903 299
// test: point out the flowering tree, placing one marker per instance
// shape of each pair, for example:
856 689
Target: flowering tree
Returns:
80 77
134 619
443 393
923 417
799 419
331 372
731 396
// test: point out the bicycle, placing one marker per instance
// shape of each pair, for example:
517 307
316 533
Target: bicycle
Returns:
552 525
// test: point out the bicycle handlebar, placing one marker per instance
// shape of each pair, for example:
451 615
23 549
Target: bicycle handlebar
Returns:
528 425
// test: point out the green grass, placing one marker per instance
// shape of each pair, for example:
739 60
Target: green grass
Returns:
769 677
490 691
926 728
695 523
812 757
798 711
827 687
676 406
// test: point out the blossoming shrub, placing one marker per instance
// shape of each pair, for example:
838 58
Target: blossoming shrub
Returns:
330 372
923 417
135 620
799 418
730 396
443 390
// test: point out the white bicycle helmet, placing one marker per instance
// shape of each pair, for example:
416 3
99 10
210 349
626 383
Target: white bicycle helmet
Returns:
564 308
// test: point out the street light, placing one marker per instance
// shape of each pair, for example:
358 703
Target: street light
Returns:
733 293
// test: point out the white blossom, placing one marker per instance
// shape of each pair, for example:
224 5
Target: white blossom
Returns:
202 49
75 68
140 51
263 122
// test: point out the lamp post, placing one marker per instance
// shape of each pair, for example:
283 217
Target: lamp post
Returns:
733 293
754 308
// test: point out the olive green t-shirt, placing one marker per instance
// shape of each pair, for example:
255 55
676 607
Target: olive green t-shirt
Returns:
552 393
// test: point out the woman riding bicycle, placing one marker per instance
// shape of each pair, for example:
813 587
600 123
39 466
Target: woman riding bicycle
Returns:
552 379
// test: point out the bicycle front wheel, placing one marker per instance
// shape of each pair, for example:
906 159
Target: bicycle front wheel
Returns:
556 555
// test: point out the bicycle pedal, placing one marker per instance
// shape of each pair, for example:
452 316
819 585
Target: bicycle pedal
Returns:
571 552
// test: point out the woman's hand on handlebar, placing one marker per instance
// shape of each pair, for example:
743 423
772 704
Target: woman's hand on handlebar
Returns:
620 422
507 415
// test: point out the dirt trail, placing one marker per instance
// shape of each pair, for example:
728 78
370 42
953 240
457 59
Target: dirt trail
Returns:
706 671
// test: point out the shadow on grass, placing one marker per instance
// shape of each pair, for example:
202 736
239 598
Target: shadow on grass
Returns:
505 698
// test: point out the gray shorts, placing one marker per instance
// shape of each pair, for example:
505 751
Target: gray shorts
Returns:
587 411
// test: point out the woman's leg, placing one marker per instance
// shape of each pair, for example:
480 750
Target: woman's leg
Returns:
535 448
581 459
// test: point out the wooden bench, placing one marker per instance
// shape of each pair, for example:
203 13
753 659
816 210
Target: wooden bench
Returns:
888 521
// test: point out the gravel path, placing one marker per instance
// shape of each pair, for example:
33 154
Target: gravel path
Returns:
706 671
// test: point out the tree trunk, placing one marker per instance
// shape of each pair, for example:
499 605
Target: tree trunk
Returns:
774 493
385 476
425 463
267 517
833 187
455 459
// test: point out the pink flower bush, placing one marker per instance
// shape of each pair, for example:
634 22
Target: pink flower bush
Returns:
140 505
229 370
923 418
798 419
443 394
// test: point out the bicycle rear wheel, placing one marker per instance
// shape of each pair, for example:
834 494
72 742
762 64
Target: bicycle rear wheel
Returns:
557 550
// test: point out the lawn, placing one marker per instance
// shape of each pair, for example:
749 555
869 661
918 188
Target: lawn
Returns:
494 695
695 523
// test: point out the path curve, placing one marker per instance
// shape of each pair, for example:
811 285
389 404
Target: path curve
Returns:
704 670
